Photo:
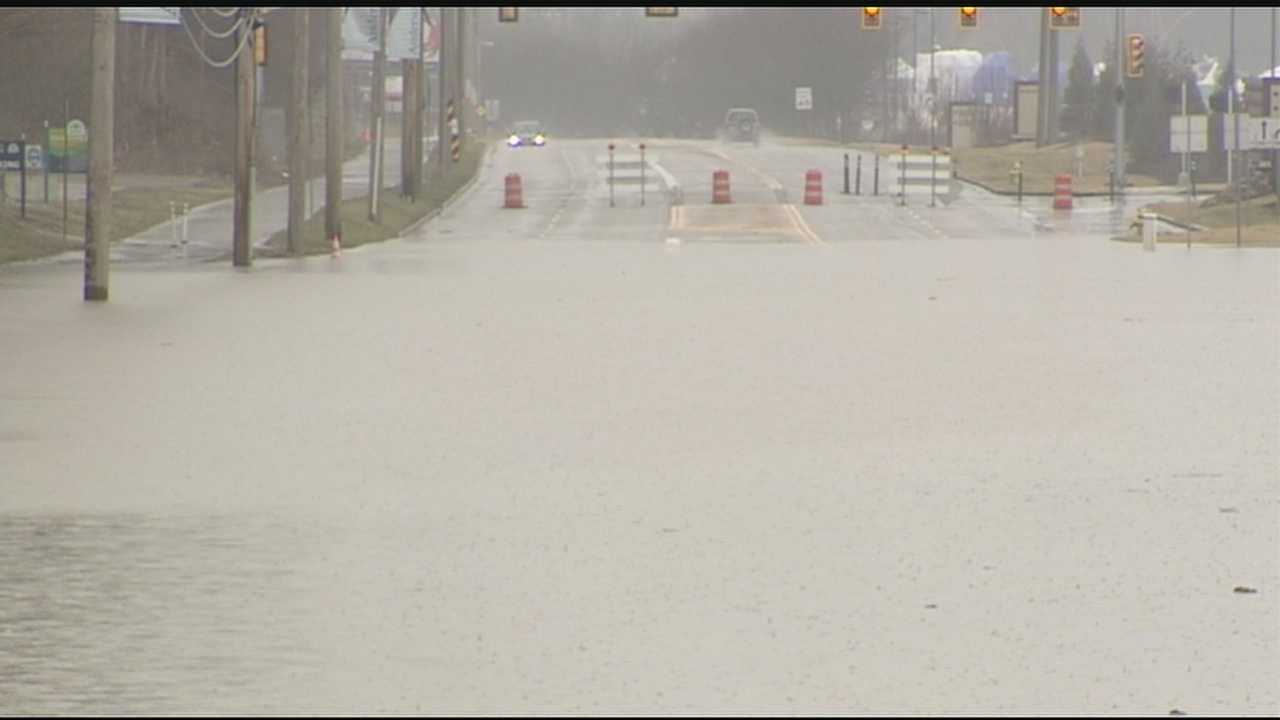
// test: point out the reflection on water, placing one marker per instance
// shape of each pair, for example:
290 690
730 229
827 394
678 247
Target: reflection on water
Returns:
135 614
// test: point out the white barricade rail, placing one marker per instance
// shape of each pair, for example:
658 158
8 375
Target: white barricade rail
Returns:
919 175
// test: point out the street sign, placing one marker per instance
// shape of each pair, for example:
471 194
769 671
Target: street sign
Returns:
151 15
804 98
1137 55
35 157
1064 17
76 131
404 34
1256 133
12 154
1181 141
508 14
661 12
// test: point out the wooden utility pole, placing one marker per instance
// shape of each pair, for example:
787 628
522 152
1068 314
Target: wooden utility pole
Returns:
444 91
299 153
97 218
333 127
376 119
243 204
408 128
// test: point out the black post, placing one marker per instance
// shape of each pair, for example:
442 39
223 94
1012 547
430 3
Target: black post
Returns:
857 178
641 174
846 173
22 183
1191 175
1111 186
44 161
1019 187
875 180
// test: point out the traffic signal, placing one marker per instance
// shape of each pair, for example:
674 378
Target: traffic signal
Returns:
871 18
661 12
508 14
1064 17
968 17
259 43
1137 53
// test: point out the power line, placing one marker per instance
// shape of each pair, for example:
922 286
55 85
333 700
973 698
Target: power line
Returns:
218 35
225 13
244 40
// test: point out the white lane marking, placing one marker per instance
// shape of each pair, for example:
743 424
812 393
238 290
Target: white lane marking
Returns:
673 241
802 226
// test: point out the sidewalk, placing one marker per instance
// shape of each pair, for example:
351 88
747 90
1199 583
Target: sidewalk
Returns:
209 227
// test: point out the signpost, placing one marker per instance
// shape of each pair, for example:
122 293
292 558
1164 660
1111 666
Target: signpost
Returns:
151 15
13 156
1188 133
1256 133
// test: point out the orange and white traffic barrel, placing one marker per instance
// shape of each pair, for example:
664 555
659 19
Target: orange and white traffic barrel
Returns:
813 187
1062 192
720 187
514 195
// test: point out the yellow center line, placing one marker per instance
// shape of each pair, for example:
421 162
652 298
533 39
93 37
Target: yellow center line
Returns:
801 226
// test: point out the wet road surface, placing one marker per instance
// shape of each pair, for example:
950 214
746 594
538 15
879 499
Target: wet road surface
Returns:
549 460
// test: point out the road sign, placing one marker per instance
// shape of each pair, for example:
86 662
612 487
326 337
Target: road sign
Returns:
969 17
12 154
76 131
804 98
661 12
35 157
151 15
1256 133
508 14
1198 138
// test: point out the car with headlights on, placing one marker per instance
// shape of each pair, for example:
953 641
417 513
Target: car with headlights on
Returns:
527 132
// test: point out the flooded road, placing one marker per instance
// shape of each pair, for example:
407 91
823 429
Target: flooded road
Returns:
476 471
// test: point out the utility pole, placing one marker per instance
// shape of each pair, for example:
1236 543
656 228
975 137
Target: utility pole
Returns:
243 204
461 14
1051 132
299 169
333 127
1118 160
97 218
1235 119
444 91
1042 85
933 79
376 115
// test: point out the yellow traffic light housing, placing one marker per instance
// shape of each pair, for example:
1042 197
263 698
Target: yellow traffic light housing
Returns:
968 17
871 18
1137 55
661 12
508 14
259 43
1064 17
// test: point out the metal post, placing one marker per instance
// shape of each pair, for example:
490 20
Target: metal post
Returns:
377 101
242 204
857 178
846 173
902 177
298 151
66 122
45 164
22 179
1019 186
875 180
641 174
933 178
611 175
933 85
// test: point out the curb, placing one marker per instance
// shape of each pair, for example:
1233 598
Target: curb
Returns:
453 199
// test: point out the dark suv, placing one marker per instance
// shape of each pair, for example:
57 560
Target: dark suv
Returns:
742 124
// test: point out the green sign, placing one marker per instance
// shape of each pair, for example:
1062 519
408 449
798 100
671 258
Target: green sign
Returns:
68 148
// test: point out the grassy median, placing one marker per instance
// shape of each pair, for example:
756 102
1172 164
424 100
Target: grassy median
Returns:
990 166
134 208
1259 222
398 212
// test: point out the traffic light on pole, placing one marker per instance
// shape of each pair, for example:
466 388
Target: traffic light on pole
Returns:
871 18
661 12
1137 52
508 14
968 17
1064 17
259 43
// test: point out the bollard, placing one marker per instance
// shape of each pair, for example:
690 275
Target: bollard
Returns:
611 175
720 188
933 178
173 225
1019 186
875 180
1149 231
186 213
846 173
857 178
641 174
902 176
813 187
1111 186
335 246
513 197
